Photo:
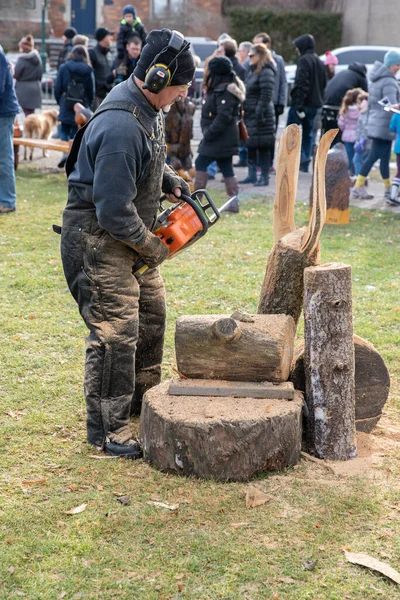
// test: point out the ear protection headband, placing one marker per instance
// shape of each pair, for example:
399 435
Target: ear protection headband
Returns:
158 75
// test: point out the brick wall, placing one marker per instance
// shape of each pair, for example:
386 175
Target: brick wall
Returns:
195 18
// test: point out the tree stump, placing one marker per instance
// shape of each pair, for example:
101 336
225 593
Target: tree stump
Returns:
372 381
329 361
221 347
294 249
228 439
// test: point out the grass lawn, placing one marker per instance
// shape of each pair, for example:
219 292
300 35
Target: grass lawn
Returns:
211 547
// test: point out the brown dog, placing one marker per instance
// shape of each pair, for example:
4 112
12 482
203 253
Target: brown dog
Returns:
40 127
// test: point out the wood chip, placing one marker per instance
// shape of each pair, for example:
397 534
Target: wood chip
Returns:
76 510
33 481
163 505
358 558
255 497
124 499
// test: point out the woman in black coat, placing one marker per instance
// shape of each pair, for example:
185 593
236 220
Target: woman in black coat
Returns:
220 113
77 69
259 113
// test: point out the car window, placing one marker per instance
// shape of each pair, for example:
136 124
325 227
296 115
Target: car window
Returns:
366 57
203 51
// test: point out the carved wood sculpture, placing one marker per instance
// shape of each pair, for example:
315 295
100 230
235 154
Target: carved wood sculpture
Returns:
294 249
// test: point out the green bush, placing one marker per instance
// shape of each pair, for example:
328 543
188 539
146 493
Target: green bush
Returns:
284 26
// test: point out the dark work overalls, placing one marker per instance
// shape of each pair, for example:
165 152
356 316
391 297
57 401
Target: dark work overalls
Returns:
125 315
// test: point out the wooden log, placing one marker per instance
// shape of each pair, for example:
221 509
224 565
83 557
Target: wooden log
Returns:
221 347
282 289
232 389
228 439
372 381
329 361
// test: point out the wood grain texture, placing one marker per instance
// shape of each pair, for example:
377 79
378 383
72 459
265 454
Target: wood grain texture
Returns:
287 176
282 288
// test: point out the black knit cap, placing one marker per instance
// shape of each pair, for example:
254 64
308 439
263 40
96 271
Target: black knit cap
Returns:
220 65
182 69
70 32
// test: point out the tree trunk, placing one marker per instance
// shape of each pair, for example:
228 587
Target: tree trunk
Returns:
282 289
372 381
329 361
227 439
259 348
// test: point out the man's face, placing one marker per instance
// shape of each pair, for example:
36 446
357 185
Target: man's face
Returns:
169 95
133 49
106 41
243 54
129 18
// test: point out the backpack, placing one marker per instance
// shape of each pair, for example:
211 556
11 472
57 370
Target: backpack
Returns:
75 91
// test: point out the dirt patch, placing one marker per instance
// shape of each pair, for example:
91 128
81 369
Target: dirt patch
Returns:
375 451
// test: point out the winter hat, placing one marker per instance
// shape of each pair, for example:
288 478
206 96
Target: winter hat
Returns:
330 59
101 33
70 32
27 43
129 10
156 50
220 65
391 58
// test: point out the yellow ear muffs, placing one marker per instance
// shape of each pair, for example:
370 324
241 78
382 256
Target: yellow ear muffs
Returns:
157 78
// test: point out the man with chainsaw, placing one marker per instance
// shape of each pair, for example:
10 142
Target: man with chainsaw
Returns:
117 174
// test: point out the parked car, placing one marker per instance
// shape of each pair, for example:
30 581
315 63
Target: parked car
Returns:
202 47
365 55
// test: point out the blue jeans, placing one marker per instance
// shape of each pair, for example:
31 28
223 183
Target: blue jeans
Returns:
67 132
350 154
242 152
212 169
380 150
307 138
7 176
358 160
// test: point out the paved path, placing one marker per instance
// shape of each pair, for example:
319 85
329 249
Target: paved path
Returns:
246 191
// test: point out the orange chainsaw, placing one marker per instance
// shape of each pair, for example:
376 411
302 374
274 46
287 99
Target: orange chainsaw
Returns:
183 224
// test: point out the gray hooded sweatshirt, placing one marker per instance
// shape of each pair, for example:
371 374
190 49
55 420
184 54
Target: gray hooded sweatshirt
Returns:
383 84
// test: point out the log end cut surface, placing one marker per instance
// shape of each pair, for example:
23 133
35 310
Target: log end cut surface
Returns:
228 439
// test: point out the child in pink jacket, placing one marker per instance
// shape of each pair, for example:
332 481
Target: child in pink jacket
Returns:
348 117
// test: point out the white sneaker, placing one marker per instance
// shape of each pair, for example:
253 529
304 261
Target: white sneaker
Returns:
361 193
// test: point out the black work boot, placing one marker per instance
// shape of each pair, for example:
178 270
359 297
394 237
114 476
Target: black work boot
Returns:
131 449
263 179
252 174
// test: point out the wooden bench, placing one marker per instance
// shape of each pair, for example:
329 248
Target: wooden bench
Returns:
44 144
